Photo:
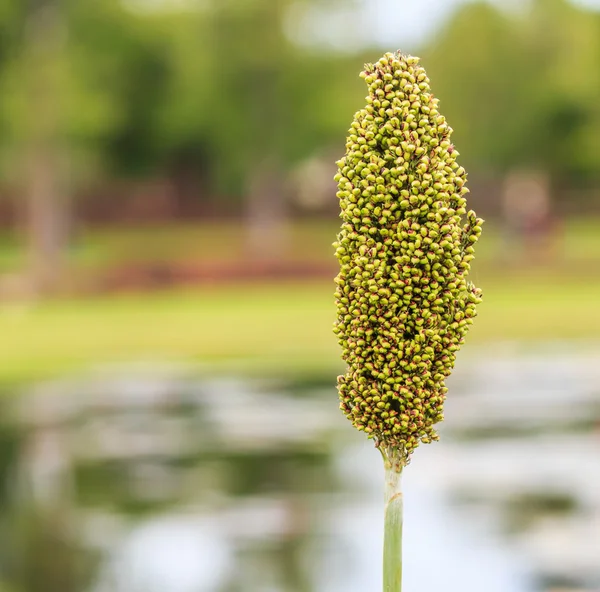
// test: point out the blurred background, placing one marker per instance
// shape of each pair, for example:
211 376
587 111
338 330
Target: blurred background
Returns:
169 417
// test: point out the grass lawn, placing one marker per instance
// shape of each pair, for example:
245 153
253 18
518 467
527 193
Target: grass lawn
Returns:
280 327
97 249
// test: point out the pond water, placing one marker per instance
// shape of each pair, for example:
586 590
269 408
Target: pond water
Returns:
170 479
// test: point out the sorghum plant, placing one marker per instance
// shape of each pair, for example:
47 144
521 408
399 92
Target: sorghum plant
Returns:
404 304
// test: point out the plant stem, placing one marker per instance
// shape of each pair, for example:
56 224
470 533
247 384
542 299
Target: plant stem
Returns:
392 537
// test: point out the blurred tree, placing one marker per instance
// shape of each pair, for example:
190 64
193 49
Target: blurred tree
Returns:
482 77
42 109
45 178
564 42
522 89
114 81
212 92
251 53
72 107
275 104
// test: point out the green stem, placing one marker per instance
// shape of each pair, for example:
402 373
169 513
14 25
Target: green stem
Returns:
392 537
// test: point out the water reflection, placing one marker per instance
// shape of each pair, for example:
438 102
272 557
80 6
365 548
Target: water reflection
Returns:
167 479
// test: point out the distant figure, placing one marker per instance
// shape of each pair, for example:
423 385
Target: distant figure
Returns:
528 220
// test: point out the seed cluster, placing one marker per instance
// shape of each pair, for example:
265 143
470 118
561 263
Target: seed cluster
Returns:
404 304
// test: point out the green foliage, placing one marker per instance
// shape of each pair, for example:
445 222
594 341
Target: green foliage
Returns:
218 87
522 89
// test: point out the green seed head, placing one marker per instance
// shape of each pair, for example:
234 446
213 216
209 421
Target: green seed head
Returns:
403 300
